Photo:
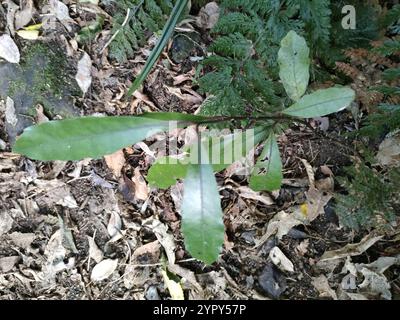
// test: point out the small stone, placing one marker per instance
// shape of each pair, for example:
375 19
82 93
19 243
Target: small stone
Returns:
152 293
272 282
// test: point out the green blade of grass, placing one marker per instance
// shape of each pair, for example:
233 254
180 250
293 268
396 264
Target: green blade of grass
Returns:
162 42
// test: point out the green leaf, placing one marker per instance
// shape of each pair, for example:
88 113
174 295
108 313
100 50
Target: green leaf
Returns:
161 43
202 224
166 170
294 63
322 102
267 173
175 116
86 137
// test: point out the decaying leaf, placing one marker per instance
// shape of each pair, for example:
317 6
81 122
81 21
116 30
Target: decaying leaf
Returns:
141 188
280 225
174 288
11 117
322 285
7 263
8 49
94 252
389 150
376 283
24 16
352 249
208 16
22 240
6 222
114 224
316 201
104 269
247 193
115 162
84 74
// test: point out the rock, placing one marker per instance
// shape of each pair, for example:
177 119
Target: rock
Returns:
183 46
272 282
40 78
152 293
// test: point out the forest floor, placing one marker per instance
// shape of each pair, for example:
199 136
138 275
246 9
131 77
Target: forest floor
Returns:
58 220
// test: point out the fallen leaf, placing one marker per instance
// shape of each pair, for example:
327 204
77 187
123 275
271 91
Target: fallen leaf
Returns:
310 172
84 74
115 162
104 269
22 240
316 201
322 285
8 49
208 16
166 239
6 222
114 224
389 150
247 193
28 34
375 283
141 188
174 288
352 249
94 252
24 16
279 259
11 117
7 263
60 10
148 253
280 225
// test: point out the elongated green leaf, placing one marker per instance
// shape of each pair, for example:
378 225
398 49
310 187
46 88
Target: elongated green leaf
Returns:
86 137
175 116
294 63
322 102
202 224
161 43
222 152
267 173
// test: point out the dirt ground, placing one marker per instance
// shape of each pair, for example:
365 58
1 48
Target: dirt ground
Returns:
59 220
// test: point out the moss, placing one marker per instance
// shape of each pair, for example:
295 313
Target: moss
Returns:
48 68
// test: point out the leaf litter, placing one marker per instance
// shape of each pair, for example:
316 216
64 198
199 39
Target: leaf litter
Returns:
59 217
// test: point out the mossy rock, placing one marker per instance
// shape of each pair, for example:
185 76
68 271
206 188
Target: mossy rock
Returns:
43 77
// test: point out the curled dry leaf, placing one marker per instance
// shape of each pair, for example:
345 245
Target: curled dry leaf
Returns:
94 252
141 188
6 222
174 288
322 285
7 263
352 249
84 75
24 16
115 162
279 259
8 49
11 117
104 269
389 150
114 224
208 16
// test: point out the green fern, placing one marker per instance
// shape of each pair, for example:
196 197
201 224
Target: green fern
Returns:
372 200
133 23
